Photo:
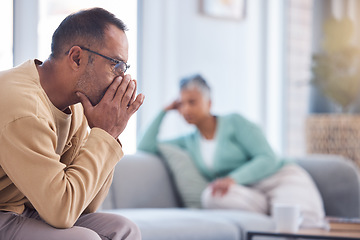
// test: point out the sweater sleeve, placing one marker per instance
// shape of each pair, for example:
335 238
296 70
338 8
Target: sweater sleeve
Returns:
59 192
99 198
149 140
262 160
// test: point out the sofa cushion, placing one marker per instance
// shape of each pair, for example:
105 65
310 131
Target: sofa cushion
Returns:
140 181
337 179
188 224
188 181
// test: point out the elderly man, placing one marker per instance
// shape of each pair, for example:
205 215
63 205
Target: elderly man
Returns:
54 173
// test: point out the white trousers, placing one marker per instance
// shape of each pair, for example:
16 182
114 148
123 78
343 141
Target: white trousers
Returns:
290 185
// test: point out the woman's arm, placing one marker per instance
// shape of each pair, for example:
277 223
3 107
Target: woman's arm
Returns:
262 160
148 142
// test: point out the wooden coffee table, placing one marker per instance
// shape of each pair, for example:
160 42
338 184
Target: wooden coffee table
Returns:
308 233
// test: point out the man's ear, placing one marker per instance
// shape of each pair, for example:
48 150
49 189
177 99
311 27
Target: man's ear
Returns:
75 57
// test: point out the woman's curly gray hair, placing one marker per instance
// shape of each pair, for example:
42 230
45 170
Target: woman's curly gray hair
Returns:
197 82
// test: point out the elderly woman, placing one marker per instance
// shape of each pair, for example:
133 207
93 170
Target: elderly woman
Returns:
234 156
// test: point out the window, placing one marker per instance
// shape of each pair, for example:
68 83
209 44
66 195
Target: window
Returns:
6 40
52 12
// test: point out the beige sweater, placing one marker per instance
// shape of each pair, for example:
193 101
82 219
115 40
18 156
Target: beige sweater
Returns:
60 182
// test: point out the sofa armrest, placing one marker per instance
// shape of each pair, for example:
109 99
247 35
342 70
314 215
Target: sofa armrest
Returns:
141 180
337 179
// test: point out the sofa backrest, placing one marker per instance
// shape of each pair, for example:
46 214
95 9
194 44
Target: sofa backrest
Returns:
338 181
141 181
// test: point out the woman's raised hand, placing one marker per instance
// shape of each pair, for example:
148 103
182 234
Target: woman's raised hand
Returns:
173 106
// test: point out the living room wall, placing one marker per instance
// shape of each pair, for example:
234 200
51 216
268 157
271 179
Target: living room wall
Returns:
240 59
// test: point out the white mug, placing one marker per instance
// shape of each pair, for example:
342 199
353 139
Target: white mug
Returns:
287 217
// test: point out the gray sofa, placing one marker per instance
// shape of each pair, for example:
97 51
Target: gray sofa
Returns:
143 191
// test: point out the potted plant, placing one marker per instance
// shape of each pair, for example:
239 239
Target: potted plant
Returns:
336 73
336 69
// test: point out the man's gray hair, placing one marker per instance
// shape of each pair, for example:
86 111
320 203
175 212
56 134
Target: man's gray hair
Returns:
197 82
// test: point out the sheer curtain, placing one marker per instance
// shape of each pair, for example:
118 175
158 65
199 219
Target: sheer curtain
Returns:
6 40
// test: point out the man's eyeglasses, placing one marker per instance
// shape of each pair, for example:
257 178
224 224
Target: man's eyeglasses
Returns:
120 66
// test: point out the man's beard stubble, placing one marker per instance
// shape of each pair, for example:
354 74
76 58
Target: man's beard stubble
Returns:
86 85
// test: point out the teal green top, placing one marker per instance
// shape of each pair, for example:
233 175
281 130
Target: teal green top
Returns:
242 151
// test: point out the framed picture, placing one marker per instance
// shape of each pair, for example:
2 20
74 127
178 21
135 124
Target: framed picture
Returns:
226 9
